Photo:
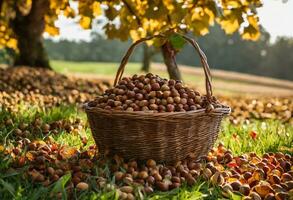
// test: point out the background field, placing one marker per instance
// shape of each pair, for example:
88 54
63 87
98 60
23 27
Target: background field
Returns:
232 83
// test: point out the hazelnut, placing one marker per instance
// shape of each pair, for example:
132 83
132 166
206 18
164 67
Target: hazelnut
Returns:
282 196
171 82
148 190
130 94
139 96
175 93
190 180
247 175
286 177
178 86
128 180
183 101
150 180
170 108
126 189
207 173
274 179
254 196
236 185
159 94
51 171
118 176
153 107
143 174
170 100
161 108
166 94
151 163
175 179
155 86
217 179
82 186
157 177
244 189
263 189
153 94
175 185
227 189
162 186
289 185
270 196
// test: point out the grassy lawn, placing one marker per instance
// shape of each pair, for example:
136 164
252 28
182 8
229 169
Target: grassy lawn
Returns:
92 67
27 145
222 86
110 69
272 136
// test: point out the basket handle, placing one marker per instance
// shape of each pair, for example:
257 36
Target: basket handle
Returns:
203 59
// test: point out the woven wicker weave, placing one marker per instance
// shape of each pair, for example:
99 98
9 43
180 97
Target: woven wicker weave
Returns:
168 136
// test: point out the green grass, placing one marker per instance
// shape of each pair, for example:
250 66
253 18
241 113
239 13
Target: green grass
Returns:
108 70
272 136
92 67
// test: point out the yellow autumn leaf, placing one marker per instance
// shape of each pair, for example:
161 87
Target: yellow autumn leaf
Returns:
251 32
24 6
230 26
97 10
69 12
253 21
153 17
196 15
12 43
67 152
85 22
1 148
30 156
231 3
231 21
169 4
199 28
51 30
54 4
210 15
134 35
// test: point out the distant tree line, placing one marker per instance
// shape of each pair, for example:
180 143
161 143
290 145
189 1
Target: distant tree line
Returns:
234 54
223 52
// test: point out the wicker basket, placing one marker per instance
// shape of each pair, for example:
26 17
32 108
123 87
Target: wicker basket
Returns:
168 137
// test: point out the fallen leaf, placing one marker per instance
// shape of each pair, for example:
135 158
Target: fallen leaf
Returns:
253 135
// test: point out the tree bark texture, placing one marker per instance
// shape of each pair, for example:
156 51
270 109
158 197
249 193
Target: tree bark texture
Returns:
146 62
170 61
29 30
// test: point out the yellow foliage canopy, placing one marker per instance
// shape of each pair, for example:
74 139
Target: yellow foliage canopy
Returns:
139 18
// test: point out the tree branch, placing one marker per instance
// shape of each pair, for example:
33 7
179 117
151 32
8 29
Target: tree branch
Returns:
132 12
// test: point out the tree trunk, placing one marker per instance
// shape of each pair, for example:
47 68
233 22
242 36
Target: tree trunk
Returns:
1 3
146 62
170 61
29 30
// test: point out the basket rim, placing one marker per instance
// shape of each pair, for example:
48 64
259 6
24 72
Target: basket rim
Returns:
217 111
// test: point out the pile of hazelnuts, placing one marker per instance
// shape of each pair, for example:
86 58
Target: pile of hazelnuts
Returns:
151 93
